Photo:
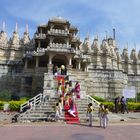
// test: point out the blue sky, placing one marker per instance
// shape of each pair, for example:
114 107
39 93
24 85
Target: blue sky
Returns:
89 16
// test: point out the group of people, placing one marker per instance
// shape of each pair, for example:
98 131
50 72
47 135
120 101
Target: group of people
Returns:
67 97
120 104
59 71
102 114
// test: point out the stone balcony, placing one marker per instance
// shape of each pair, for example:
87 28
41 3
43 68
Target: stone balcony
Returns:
38 52
60 47
58 32
40 36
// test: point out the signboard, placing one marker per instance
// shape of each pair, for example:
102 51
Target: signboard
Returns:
129 92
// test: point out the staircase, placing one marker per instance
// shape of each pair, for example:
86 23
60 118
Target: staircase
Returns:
82 105
44 109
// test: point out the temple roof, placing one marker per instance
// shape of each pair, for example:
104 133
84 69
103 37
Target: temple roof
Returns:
58 19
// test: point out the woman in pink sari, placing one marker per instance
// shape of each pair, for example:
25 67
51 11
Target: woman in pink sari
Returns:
77 90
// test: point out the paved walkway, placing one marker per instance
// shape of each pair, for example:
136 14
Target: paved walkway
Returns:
58 131
128 128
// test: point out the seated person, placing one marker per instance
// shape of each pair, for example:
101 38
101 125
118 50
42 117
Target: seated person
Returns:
72 109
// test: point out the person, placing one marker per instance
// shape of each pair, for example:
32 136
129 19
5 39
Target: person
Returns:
100 114
61 99
76 90
67 100
28 107
66 90
62 70
72 109
57 112
116 102
59 89
60 107
124 105
105 116
65 70
89 113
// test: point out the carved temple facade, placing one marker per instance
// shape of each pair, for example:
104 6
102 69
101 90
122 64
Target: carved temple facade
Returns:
24 61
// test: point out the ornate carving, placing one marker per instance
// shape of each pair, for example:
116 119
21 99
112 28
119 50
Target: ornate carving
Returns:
106 48
117 54
86 44
95 45
15 38
26 38
133 55
125 54
3 38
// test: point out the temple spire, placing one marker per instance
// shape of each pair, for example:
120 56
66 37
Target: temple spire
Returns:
16 28
114 34
3 26
106 34
26 29
88 34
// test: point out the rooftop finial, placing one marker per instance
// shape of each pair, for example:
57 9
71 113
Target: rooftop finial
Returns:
26 30
127 45
16 28
106 34
114 34
88 34
3 26
97 36
135 46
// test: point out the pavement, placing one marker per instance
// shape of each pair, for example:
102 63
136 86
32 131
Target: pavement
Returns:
128 128
113 117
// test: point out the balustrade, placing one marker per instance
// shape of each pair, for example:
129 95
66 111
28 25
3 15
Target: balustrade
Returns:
58 31
40 36
59 45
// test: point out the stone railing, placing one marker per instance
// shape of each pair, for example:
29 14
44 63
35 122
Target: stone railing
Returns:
38 52
58 31
93 101
59 45
32 102
40 36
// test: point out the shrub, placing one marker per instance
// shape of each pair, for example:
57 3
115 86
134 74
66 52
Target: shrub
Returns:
1 105
133 106
109 104
15 105
99 99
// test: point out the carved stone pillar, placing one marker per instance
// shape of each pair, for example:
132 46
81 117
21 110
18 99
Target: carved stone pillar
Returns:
79 65
50 68
70 61
67 43
50 59
37 62
26 64
39 44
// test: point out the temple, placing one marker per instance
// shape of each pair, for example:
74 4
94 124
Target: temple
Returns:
26 64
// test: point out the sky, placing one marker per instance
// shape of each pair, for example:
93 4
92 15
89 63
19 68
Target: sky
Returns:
93 17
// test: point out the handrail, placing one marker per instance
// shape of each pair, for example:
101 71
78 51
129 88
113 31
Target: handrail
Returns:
33 101
93 101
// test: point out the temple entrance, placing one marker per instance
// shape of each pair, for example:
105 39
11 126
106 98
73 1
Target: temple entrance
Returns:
59 60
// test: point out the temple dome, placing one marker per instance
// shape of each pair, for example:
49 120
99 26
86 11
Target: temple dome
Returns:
58 19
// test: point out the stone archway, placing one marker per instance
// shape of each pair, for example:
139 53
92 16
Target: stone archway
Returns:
59 60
